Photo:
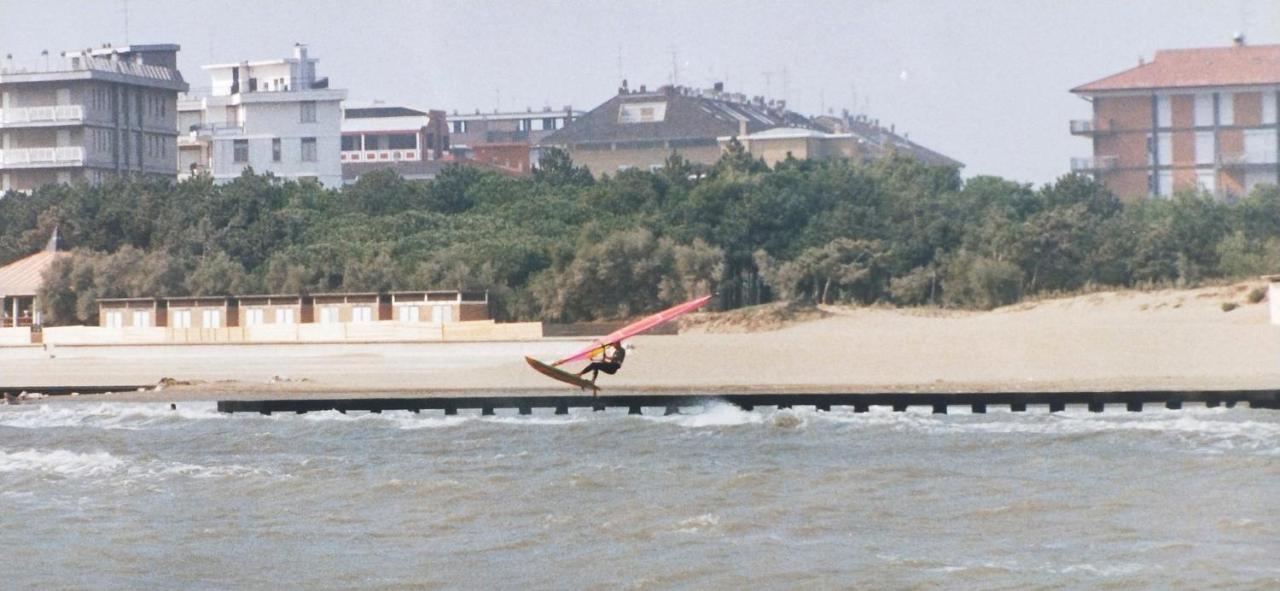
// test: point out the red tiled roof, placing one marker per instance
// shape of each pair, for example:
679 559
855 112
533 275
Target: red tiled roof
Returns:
24 276
1182 68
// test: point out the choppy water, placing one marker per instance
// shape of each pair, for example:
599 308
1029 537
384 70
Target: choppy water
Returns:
128 496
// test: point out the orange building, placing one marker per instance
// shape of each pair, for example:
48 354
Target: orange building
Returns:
1189 119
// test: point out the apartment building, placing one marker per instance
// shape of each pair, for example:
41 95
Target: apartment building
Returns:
1189 119
505 139
272 116
88 114
376 136
641 128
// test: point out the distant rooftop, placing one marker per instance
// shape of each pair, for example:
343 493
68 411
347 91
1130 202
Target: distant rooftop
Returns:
1237 65
378 112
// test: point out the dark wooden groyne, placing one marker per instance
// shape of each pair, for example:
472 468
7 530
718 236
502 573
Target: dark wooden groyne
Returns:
977 402
68 390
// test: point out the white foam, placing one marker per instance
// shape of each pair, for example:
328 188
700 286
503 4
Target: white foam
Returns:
94 464
60 461
719 414
106 415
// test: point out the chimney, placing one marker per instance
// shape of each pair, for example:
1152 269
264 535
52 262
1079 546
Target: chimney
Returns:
718 86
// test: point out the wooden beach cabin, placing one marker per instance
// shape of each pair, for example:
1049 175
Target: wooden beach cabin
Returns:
132 313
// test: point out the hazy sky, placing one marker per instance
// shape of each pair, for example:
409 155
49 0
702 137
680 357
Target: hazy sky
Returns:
984 82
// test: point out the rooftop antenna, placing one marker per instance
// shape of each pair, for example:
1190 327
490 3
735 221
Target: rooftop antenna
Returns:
126 22
786 83
768 83
675 67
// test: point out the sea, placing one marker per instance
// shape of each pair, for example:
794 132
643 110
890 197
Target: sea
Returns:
106 495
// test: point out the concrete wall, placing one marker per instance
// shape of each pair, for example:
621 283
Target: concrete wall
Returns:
15 336
383 331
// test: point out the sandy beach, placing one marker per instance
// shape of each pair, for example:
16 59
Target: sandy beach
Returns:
1170 339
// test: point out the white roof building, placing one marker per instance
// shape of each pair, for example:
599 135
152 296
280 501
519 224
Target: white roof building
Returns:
272 116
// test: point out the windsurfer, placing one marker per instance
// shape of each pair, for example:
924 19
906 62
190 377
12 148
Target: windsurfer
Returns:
610 361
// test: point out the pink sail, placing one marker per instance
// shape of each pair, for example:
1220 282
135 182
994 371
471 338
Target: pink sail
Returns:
636 328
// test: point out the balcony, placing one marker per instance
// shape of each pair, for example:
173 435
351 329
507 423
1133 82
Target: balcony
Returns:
1095 164
42 116
380 155
1248 159
42 157
1091 126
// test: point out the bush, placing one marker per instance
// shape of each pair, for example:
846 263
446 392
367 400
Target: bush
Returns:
973 281
1229 306
1256 294
915 288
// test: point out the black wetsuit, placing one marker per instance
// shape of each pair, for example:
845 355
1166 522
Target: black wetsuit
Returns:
610 364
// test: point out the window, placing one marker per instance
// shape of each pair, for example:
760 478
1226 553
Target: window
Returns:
329 315
284 315
210 318
459 127
402 141
308 149
233 116
549 124
362 314
1164 149
240 150
181 319
115 319
350 143
409 314
1205 181
1204 110
253 317
307 111
1226 108
275 149
1268 108
1204 147
441 314
141 318
642 112
1260 146
1166 183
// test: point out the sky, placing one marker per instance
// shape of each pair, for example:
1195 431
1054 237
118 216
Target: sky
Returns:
984 81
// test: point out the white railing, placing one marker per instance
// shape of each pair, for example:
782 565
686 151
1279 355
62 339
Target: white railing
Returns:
216 129
49 114
42 156
1089 126
380 155
1095 163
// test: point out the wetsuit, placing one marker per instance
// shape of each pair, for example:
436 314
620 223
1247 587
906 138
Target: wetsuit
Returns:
610 364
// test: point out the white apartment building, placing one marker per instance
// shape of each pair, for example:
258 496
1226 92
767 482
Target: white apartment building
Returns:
85 115
272 116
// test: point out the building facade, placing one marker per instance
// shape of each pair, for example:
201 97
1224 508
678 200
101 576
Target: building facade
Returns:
411 142
272 116
641 128
505 139
87 115
1191 119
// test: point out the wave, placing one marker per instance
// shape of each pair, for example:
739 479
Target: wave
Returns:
71 464
107 415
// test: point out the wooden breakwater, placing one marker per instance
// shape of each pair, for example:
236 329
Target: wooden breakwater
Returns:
977 402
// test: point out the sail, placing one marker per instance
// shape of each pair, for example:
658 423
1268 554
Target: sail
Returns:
636 328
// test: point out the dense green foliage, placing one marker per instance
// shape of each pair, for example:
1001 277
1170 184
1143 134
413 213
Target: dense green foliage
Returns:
561 246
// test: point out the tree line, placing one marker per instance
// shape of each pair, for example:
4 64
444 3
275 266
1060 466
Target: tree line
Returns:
561 246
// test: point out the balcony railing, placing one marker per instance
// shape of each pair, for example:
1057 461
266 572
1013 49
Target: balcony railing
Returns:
1259 157
380 155
1090 126
1093 164
216 129
49 114
34 157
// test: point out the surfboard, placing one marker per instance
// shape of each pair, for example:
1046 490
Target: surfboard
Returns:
636 328
561 375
